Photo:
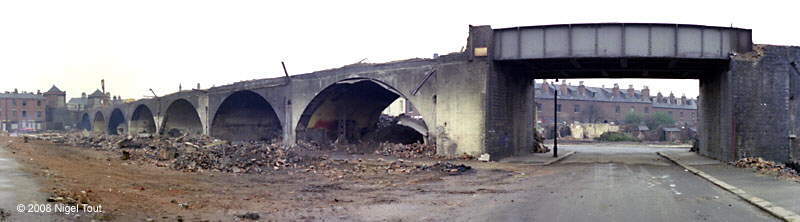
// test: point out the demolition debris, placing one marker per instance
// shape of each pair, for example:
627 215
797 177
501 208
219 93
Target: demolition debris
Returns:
202 153
768 167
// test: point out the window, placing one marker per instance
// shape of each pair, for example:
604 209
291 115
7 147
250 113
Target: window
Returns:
39 114
669 112
616 109
24 113
681 114
14 102
38 103
14 113
633 109
647 110
558 108
539 106
24 103
577 108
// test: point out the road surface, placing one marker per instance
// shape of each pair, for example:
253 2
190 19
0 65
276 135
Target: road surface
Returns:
599 183
17 187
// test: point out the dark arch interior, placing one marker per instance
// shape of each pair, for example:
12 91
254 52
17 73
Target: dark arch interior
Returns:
116 123
348 112
245 115
99 123
181 117
142 120
86 123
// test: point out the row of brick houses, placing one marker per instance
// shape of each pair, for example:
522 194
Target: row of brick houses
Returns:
609 105
28 111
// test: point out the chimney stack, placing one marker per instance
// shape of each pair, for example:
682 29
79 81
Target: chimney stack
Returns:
546 87
615 90
646 92
103 85
631 91
672 98
581 89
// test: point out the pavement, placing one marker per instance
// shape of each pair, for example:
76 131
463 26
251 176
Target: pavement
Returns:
17 187
778 192
604 182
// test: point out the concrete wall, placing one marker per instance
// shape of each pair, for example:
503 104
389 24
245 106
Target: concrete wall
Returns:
591 130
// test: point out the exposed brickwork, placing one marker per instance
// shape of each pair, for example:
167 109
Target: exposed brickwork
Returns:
22 111
762 105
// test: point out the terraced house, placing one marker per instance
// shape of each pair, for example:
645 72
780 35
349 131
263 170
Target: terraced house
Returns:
22 111
608 105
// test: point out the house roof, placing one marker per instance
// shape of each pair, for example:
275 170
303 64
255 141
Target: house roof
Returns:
671 129
601 94
79 101
54 90
20 96
96 93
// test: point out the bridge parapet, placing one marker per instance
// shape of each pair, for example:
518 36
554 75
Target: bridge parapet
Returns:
607 40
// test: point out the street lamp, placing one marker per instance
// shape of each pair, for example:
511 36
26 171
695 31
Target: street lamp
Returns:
555 120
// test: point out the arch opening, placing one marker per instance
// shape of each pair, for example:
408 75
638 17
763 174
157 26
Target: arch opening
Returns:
116 123
142 120
245 115
99 123
182 118
85 123
361 110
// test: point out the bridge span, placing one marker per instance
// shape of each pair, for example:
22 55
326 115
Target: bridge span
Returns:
481 100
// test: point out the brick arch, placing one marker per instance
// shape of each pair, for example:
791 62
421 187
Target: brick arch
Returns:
245 115
348 103
182 116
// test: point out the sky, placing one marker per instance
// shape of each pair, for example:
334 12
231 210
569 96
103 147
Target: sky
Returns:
138 45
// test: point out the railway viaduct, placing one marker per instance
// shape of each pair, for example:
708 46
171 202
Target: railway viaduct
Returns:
481 100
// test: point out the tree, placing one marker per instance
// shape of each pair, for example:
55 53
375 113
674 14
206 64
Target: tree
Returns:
592 114
633 118
659 119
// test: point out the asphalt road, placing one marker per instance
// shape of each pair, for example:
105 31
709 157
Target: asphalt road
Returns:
599 183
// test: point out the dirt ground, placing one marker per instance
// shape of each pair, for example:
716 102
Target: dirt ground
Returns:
130 190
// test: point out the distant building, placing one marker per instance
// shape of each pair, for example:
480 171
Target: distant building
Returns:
608 105
56 112
78 104
22 111
94 100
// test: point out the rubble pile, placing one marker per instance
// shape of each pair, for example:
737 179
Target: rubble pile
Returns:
71 198
538 144
414 150
202 153
768 167
246 157
448 168
192 153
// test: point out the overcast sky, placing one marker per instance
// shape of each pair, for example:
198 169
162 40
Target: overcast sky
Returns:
136 45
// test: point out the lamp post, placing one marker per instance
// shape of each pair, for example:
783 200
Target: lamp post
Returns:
555 120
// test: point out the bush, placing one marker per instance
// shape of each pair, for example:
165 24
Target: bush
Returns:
616 137
633 118
659 119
